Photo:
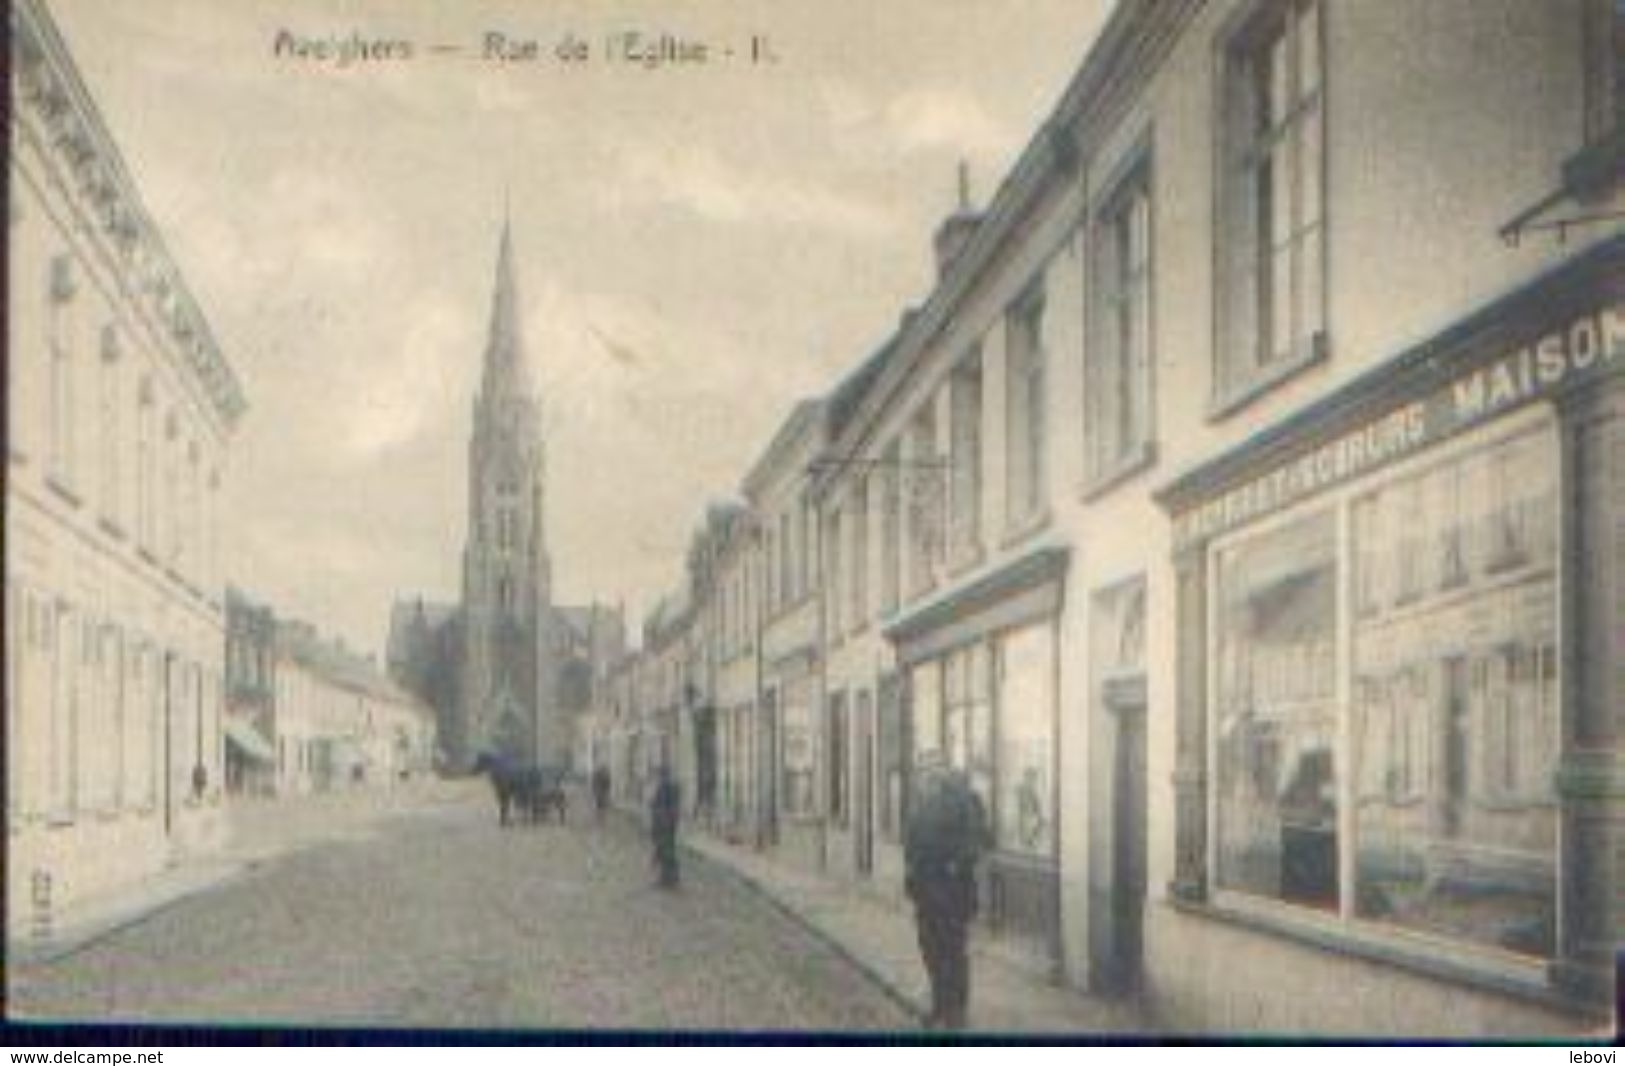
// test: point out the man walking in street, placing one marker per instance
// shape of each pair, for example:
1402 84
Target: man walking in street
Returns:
664 810
600 790
945 836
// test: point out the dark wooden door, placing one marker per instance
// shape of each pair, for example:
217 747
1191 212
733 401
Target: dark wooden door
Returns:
1128 846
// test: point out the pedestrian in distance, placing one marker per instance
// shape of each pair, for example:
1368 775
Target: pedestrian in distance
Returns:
665 808
600 791
944 839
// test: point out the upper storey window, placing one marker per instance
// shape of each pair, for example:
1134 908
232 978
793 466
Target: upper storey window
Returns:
1271 233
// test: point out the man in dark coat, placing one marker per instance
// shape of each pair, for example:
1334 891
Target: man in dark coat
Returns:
664 810
945 836
600 789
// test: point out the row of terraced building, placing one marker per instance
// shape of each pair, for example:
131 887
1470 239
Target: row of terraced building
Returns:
1241 509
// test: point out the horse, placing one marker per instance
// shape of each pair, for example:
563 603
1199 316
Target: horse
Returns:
533 792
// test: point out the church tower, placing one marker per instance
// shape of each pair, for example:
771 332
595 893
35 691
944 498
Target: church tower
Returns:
505 689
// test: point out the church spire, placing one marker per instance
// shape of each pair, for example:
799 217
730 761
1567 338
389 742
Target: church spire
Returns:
504 355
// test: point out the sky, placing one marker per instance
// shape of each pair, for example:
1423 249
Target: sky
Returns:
698 246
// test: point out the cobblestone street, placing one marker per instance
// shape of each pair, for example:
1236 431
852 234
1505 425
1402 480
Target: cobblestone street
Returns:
441 919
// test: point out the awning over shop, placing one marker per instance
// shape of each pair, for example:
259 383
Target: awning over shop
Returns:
248 741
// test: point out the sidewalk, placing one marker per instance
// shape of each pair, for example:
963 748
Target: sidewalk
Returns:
257 830
878 938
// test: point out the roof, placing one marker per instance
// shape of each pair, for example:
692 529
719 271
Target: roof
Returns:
337 664
1133 40
850 391
52 88
796 425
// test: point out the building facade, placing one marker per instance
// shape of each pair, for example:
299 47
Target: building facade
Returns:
338 722
1240 511
250 713
779 605
121 413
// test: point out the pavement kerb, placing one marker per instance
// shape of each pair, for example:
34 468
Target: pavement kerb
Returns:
94 927
835 943
101 918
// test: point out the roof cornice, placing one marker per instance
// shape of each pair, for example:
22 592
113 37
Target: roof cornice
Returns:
1128 48
51 94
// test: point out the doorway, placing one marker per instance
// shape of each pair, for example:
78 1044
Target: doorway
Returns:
1128 881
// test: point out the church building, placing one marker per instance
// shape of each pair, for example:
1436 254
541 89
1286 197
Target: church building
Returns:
495 667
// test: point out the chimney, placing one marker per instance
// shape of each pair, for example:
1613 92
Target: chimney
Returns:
958 228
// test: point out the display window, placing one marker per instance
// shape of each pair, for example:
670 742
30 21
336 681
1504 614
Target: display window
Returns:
1024 801
1384 698
955 700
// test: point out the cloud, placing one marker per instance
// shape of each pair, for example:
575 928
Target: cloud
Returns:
946 118
737 239
393 407
699 180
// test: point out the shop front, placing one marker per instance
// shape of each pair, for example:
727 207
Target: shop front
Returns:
1395 738
980 671
792 819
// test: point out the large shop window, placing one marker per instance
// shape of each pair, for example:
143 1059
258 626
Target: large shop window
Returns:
1276 733
1455 700
967 716
1392 758
1026 814
953 714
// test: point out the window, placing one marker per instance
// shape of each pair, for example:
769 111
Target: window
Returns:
1275 780
965 459
1604 45
809 545
111 416
191 517
925 512
787 593
838 810
1117 367
1394 763
891 545
145 463
834 592
1456 710
859 565
1024 800
771 590
889 756
211 531
967 716
169 508
62 460
1024 424
925 709
62 637
1272 235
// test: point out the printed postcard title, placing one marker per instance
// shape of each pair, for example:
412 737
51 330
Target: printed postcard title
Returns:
631 48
